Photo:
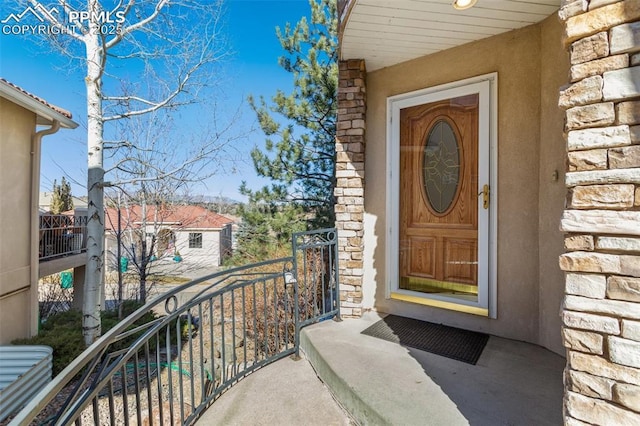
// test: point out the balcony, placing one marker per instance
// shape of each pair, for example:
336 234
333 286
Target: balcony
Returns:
62 243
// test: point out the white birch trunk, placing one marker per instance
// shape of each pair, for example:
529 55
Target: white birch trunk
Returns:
91 308
143 247
136 18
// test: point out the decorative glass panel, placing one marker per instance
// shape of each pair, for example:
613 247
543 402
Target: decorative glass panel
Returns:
441 166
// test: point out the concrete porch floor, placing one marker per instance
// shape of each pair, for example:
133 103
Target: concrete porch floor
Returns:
379 382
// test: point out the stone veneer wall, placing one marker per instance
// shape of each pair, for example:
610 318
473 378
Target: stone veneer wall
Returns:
601 312
349 189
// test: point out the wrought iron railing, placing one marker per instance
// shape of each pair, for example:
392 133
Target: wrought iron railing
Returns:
62 235
210 333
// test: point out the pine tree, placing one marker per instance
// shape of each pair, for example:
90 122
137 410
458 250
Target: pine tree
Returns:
299 156
266 230
61 200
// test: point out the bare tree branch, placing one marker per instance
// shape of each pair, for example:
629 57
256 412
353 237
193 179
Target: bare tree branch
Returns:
137 26
173 52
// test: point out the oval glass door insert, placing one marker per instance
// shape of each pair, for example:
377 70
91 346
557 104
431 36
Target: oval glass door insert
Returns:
441 166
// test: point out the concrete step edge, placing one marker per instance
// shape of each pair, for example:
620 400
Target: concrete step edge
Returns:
361 411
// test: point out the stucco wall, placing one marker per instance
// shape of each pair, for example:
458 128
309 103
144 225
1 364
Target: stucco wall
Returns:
16 128
552 191
208 255
527 114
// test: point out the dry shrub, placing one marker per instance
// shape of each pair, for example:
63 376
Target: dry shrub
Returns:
269 316
52 297
265 309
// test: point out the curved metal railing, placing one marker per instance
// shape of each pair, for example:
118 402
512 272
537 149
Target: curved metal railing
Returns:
203 337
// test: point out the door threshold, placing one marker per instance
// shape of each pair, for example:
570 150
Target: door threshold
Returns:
460 304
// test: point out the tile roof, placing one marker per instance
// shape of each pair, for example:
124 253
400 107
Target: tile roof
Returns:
174 216
39 99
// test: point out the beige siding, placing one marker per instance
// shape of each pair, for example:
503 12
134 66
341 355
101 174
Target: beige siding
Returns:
16 128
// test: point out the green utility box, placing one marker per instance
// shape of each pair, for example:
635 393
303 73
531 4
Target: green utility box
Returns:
66 279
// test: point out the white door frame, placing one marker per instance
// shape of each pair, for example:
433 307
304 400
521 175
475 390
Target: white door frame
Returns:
486 86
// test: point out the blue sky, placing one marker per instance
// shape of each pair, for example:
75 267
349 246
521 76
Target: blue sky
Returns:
252 69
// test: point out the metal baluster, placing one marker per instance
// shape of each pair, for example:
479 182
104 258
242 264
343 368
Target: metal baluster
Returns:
169 374
266 320
203 381
136 372
112 412
244 326
148 381
179 357
223 364
255 324
159 379
233 333
275 315
192 378
212 365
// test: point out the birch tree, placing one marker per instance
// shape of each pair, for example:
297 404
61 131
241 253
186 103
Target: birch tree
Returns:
173 44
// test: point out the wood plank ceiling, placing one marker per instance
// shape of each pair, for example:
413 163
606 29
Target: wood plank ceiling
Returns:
386 33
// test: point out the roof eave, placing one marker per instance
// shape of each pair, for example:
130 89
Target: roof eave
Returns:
46 115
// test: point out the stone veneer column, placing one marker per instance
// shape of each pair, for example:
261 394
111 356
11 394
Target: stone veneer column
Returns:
601 312
349 189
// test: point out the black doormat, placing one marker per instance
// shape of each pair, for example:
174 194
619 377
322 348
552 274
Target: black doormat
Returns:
450 342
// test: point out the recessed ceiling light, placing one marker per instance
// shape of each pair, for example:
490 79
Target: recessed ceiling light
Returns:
464 4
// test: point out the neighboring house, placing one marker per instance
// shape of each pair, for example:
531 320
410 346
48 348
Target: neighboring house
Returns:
21 115
46 198
199 236
474 148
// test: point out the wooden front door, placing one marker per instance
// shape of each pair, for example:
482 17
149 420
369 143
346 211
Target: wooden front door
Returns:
439 197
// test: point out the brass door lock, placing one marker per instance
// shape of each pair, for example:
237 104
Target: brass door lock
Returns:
485 196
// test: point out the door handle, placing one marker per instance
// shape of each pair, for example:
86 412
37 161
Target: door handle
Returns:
485 196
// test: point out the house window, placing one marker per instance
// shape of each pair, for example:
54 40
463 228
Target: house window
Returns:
195 240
